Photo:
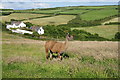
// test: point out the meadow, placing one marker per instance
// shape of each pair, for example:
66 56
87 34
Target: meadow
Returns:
106 31
112 20
20 16
55 20
74 12
25 58
99 14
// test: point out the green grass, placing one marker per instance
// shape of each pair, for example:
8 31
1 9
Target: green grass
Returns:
27 60
55 20
106 31
20 16
39 11
73 12
98 14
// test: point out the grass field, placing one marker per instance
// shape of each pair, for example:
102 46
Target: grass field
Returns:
90 13
19 16
73 12
98 14
39 11
106 31
25 58
113 20
55 20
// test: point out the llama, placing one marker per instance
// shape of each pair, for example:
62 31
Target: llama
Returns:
56 47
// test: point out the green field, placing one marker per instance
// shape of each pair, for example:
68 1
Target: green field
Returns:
55 20
106 31
99 14
39 11
25 58
20 16
73 12
90 13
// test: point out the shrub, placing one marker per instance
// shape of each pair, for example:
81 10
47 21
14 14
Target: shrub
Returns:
83 35
117 35
56 31
35 34
112 23
28 24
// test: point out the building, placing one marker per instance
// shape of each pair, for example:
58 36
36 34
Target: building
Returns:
15 24
38 29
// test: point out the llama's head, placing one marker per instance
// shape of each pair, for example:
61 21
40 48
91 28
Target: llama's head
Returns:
69 37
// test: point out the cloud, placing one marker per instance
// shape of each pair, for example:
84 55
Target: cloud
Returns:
43 5
1 6
60 0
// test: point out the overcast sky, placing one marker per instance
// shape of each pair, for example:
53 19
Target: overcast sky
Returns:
30 4
60 0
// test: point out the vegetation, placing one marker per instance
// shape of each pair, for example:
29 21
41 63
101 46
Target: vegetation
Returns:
106 31
20 16
26 59
99 14
53 20
117 35
5 12
113 23
83 36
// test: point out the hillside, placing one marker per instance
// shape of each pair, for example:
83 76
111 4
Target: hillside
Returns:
87 59
106 31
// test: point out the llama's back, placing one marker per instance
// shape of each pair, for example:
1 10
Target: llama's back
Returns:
58 47
49 44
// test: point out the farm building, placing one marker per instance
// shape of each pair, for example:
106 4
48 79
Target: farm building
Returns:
38 29
21 31
15 24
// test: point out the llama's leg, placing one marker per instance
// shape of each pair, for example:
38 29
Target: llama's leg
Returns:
59 56
51 53
51 56
47 54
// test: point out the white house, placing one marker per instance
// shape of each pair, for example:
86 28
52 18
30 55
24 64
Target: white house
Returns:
39 30
21 31
15 24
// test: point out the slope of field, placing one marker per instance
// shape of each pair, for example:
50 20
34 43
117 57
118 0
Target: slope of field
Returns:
106 31
55 20
19 16
99 14
25 58
112 20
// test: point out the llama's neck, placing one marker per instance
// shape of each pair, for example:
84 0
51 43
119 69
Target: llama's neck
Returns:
66 43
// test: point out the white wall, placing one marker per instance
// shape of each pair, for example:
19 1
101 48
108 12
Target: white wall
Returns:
41 31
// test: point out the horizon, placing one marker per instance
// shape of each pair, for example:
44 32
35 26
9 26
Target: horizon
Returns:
43 5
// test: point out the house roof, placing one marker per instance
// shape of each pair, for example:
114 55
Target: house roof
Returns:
16 22
35 28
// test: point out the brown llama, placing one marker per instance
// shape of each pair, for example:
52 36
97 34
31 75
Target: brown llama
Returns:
56 47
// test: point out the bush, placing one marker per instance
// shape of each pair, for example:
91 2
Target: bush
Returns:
83 35
6 13
113 23
117 35
56 31
28 24
35 34
78 22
